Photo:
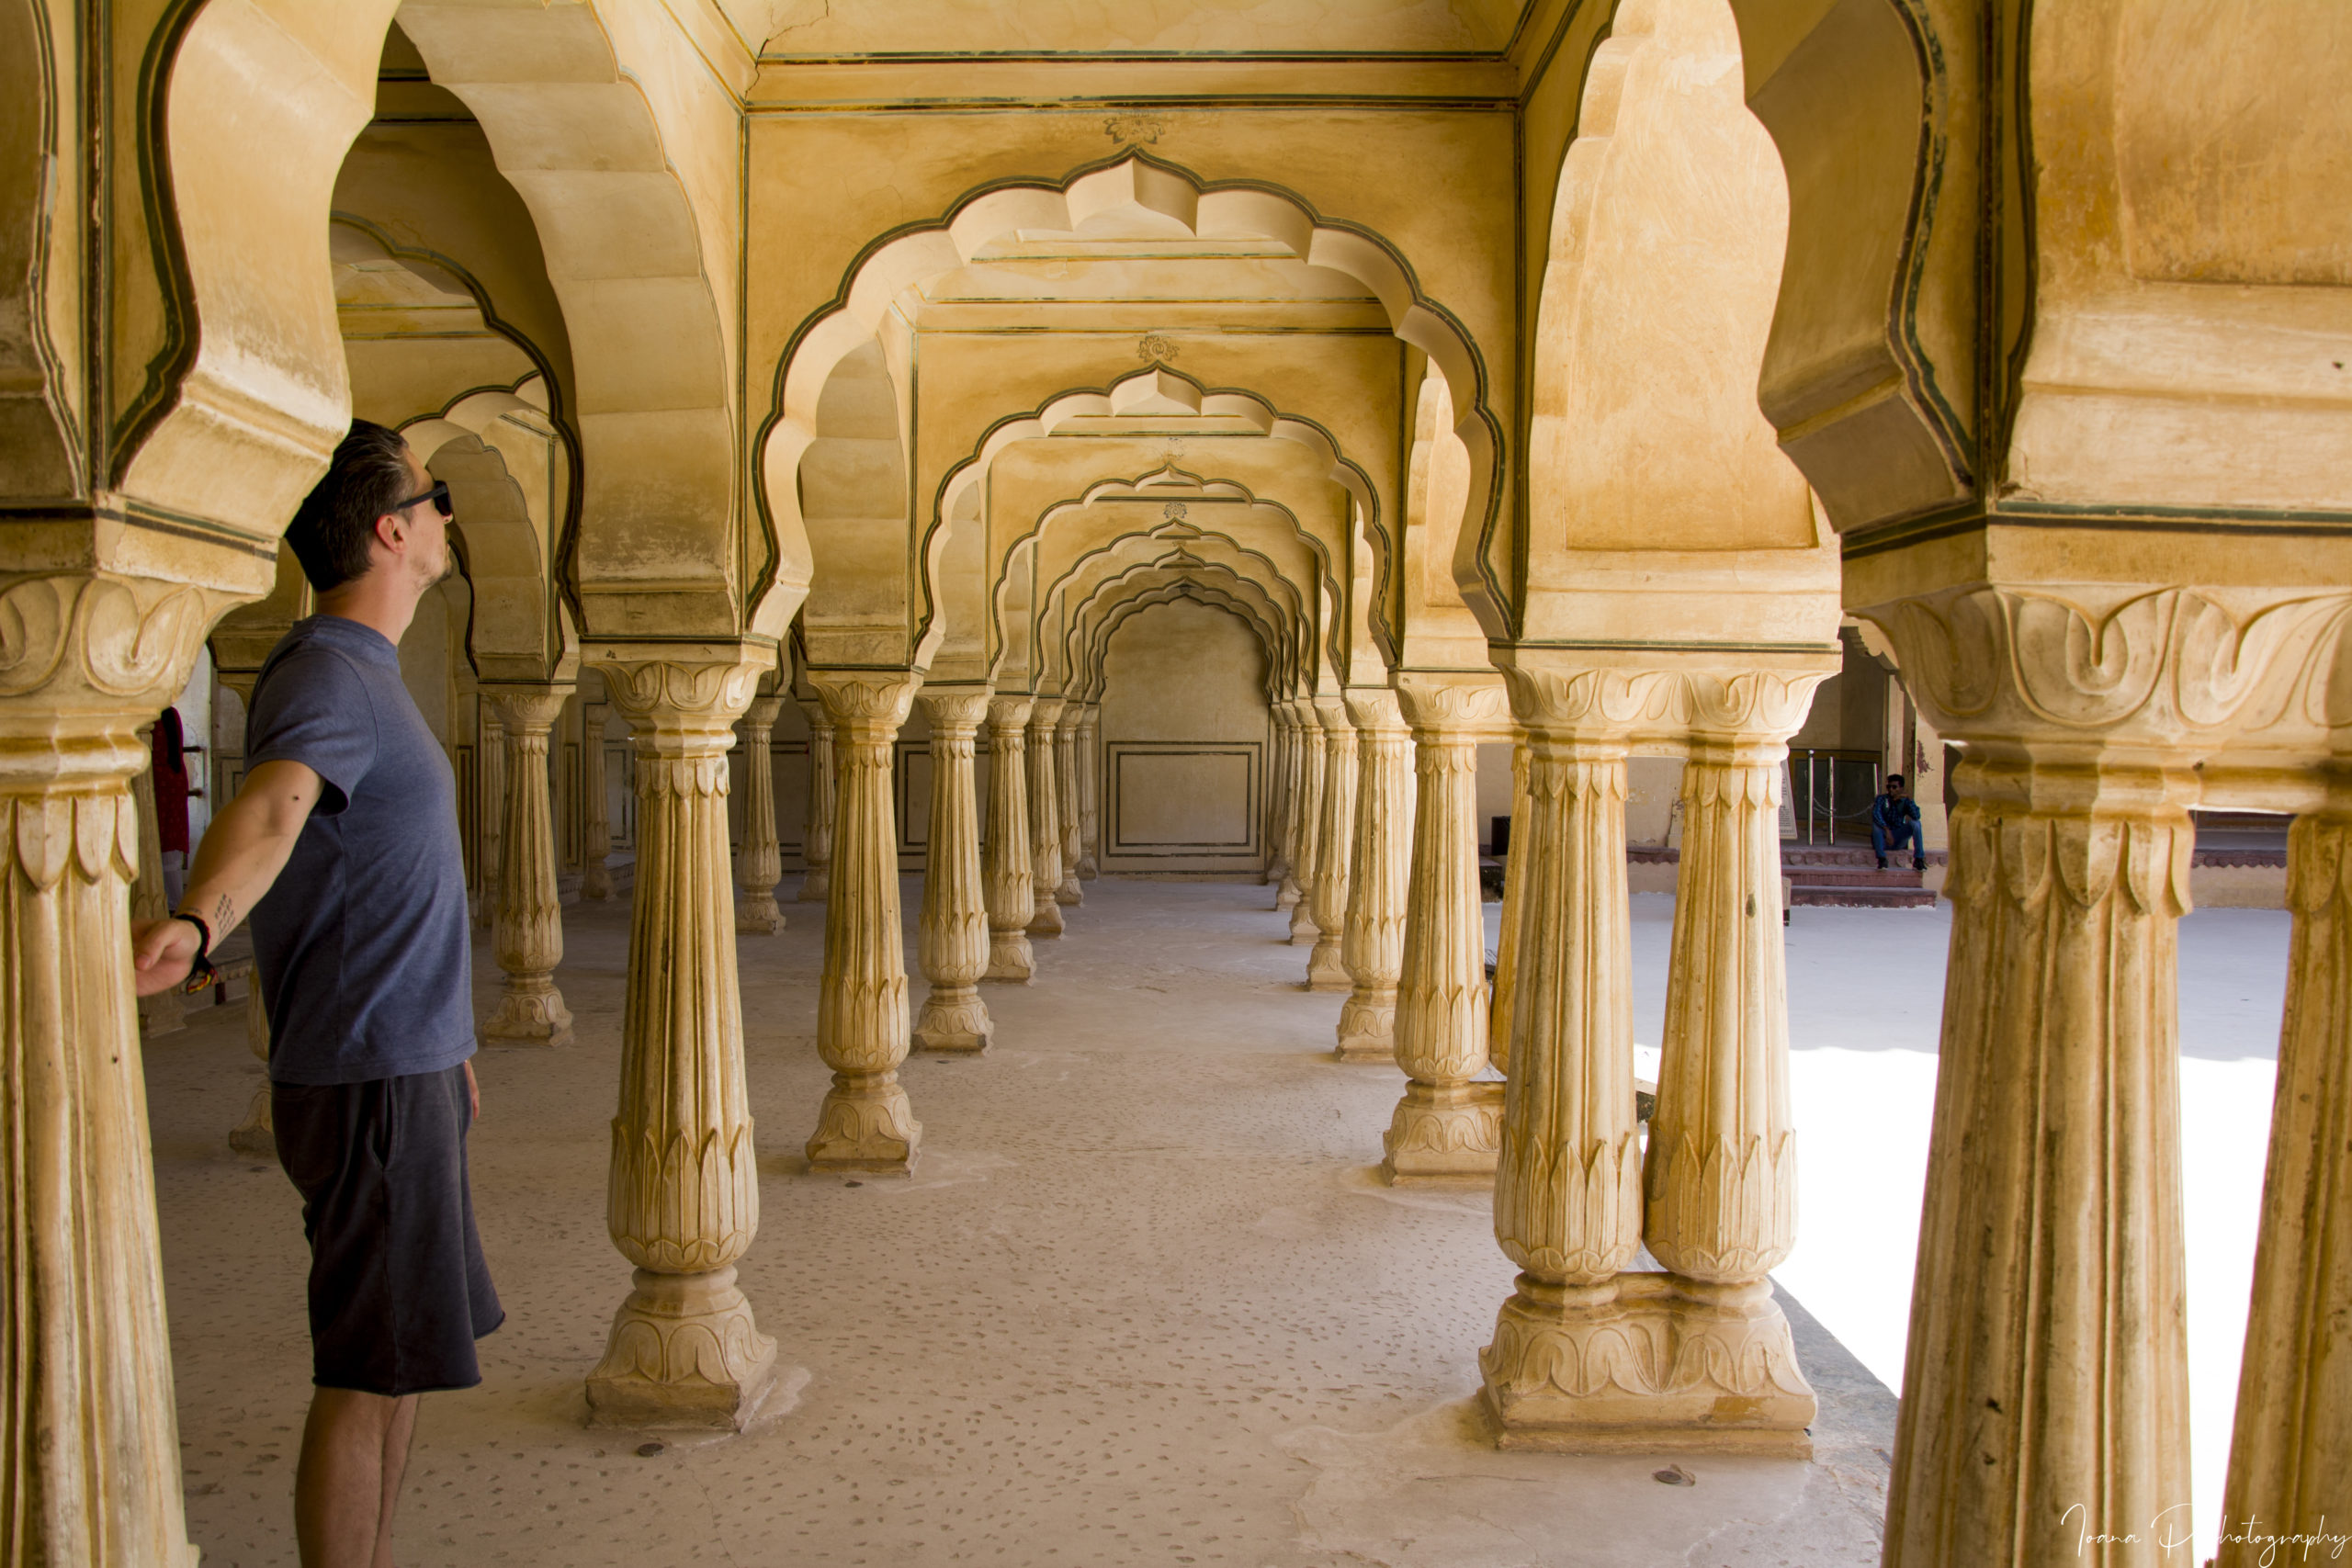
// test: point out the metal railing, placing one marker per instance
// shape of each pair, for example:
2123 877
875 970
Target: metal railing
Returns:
1832 790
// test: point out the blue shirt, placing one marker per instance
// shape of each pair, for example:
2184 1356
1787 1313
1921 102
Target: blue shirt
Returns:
361 945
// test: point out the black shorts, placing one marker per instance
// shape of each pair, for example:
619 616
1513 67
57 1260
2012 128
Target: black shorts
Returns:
398 1290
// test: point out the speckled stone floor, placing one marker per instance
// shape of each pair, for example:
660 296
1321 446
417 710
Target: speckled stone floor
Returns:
1141 1303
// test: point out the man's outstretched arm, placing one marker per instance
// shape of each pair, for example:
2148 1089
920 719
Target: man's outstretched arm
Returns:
243 851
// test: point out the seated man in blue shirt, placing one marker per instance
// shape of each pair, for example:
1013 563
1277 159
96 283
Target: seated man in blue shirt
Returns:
1894 821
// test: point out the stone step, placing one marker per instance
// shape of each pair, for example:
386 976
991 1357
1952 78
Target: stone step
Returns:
1864 875
1815 895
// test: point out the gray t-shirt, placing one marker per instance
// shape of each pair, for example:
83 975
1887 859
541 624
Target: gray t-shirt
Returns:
361 945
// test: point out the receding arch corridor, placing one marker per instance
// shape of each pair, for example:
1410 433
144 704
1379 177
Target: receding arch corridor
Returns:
1142 1299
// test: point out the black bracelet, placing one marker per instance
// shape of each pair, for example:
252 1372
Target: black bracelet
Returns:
200 973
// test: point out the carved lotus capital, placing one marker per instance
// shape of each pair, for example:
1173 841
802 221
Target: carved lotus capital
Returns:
866 703
1467 705
681 700
1670 696
1045 713
527 710
85 659
2189 669
763 713
957 709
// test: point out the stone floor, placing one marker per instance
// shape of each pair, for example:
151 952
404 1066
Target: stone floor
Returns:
1142 1302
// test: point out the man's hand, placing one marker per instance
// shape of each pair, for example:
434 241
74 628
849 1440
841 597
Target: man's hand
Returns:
162 953
473 1090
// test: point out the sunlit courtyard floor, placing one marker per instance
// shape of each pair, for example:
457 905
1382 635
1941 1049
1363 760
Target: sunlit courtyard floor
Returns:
1142 1301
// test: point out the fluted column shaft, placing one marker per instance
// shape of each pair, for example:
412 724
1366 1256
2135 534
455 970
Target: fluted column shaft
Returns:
596 831
1278 783
1089 793
866 1122
1335 846
1289 890
89 1453
953 941
2050 1281
529 925
1381 870
816 822
1066 797
1005 859
2290 1462
1306 833
759 865
1515 883
492 807
684 1195
1447 1125
1045 819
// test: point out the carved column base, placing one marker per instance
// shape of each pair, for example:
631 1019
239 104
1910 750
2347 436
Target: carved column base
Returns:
1444 1133
1304 931
165 1013
531 1012
866 1124
953 1020
816 886
257 1134
1645 1363
596 881
1368 1027
1289 893
684 1352
1011 961
1047 920
757 915
1324 970
1070 892
1087 870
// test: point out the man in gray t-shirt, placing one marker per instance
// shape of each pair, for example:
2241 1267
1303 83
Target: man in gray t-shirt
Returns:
342 848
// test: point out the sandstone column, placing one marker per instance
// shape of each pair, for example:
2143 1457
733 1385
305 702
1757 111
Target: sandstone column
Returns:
817 824
1381 865
1567 1353
1306 827
866 1123
1499 1002
530 913
1446 1126
1721 1178
92 1443
1089 792
760 864
954 945
257 1134
1066 797
597 834
1011 889
1335 842
1278 779
2048 1361
685 1196
1045 819
1289 734
491 813
2290 1460
165 1012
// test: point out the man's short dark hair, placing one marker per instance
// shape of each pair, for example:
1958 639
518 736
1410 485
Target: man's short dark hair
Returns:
368 477
1895 778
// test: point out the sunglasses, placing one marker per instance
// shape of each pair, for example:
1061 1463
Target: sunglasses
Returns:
438 495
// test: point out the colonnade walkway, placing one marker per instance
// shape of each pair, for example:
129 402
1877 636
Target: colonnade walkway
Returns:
1143 1300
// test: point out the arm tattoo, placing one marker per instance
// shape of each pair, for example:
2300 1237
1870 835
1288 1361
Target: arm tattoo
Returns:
224 913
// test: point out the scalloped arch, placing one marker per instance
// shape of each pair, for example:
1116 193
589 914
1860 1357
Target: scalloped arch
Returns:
1205 208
